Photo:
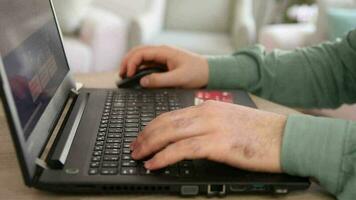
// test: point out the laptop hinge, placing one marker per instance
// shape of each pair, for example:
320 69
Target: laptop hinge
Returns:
56 150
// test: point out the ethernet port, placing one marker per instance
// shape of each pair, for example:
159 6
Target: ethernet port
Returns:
216 189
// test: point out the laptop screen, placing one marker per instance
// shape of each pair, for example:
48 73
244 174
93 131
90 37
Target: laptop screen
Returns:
32 56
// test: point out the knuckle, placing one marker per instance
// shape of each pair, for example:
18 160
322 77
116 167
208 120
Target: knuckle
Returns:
192 147
180 123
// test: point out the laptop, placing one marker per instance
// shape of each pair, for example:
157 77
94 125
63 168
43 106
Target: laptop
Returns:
71 139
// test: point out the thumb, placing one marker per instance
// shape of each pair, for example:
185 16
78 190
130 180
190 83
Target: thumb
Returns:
157 80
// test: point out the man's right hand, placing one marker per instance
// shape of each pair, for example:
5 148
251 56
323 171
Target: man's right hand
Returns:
185 69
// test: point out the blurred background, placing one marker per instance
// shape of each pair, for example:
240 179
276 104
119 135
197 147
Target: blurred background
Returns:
98 33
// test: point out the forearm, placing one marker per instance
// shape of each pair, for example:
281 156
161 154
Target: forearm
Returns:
324 149
321 76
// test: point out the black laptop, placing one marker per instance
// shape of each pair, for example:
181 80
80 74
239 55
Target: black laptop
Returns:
77 140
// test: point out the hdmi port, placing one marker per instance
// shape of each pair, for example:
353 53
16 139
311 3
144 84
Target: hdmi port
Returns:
239 188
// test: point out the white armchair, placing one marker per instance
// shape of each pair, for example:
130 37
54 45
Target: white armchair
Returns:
94 39
202 26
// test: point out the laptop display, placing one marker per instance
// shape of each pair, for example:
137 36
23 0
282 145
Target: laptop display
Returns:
32 57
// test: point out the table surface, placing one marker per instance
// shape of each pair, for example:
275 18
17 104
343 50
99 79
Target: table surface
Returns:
12 186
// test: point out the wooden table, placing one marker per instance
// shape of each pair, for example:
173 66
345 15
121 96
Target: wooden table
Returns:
12 186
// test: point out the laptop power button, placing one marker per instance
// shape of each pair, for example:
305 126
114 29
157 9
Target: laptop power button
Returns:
189 190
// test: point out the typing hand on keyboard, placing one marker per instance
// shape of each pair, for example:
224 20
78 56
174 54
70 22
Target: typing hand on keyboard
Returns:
235 135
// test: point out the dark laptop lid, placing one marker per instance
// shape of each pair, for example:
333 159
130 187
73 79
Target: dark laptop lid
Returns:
35 82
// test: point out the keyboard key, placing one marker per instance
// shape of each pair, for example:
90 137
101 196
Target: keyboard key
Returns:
110 165
112 152
147 115
116 125
114 135
98 148
97 153
132 112
116 117
103 125
129 163
115 130
131 134
170 171
131 125
144 171
111 157
109 171
113 140
94 164
101 134
96 158
126 151
129 139
118 113
131 120
118 105
116 121
113 146
146 119
186 164
128 171
186 172
132 116
131 130
93 171
126 157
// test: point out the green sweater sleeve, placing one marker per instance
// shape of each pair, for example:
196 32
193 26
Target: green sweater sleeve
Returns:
320 76
324 149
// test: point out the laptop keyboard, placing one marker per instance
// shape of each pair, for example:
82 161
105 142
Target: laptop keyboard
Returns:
124 116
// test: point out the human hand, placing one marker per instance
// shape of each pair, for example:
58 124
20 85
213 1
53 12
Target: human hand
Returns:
185 69
235 135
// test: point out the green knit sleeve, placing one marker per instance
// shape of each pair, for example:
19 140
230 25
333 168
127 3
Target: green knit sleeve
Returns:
314 77
322 148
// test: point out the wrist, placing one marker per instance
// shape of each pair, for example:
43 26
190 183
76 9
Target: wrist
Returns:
277 138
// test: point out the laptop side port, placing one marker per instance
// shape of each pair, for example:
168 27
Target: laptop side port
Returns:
259 188
239 188
216 189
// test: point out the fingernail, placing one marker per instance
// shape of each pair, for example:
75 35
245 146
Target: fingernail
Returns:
148 164
145 81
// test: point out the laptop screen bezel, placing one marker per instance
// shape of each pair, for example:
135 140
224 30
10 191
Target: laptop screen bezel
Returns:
28 150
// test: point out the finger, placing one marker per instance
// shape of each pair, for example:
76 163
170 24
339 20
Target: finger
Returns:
150 54
161 133
187 149
168 79
123 65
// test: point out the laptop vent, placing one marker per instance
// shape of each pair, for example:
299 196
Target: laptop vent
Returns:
143 189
